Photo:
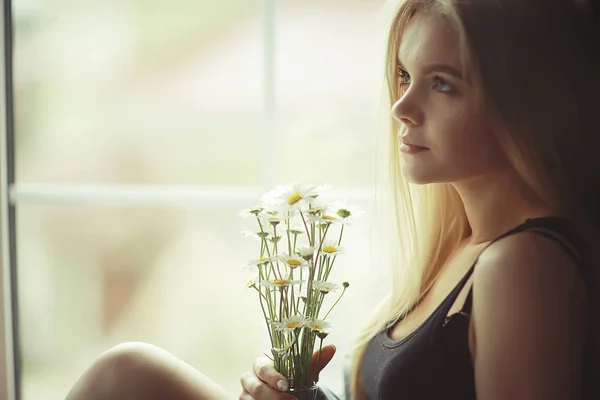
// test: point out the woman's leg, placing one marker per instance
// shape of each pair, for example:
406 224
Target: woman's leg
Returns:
135 371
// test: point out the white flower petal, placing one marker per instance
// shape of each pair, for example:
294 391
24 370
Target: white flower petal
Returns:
306 252
331 248
291 323
280 282
318 325
293 261
325 287
291 197
345 211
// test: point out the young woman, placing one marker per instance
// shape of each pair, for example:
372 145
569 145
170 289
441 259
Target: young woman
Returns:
494 179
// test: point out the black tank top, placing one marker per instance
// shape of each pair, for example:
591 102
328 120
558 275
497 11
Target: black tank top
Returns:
434 361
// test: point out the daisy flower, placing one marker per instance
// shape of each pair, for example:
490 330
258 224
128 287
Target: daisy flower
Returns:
290 324
251 282
324 219
280 350
306 252
259 261
272 217
331 248
280 283
325 287
255 235
274 239
316 209
252 211
292 197
344 211
318 325
293 261
296 229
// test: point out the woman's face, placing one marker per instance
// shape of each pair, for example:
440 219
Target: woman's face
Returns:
439 110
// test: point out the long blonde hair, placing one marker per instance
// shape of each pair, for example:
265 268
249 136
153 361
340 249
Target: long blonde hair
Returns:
533 61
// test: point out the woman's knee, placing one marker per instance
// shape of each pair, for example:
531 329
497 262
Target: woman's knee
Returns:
128 370
142 371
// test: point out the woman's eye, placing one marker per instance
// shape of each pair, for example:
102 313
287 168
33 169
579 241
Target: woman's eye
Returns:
443 86
403 77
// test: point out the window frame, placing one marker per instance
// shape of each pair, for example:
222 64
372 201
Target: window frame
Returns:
13 194
10 376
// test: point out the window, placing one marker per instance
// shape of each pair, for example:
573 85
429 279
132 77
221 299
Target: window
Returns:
140 129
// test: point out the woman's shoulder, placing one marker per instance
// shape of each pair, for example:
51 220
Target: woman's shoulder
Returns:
528 301
539 240
537 248
536 264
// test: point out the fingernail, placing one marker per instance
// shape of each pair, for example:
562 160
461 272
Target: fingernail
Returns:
283 386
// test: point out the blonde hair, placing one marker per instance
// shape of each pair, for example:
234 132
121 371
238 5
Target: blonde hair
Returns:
542 93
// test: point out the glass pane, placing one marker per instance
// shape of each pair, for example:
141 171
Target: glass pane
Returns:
329 62
92 277
134 91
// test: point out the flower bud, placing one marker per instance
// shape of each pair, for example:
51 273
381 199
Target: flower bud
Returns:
322 335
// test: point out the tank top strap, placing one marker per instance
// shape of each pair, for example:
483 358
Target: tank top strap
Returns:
554 228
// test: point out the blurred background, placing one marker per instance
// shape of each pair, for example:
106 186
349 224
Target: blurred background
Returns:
223 99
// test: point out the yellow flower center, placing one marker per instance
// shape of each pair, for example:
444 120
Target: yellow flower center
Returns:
282 282
294 198
294 263
329 249
330 217
293 324
263 260
317 327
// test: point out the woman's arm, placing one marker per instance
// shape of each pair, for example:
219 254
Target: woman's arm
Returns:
528 321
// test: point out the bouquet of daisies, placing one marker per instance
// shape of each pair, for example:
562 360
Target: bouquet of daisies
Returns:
300 240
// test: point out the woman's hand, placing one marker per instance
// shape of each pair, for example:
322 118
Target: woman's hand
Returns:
265 383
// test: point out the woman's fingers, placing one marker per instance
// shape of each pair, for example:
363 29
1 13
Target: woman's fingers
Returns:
327 354
255 388
266 372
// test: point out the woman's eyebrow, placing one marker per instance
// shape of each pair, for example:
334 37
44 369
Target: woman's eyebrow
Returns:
448 69
437 67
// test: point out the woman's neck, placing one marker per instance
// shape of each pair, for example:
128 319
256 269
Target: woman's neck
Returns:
495 204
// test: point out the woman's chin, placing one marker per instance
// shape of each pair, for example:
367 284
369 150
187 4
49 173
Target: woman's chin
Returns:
415 178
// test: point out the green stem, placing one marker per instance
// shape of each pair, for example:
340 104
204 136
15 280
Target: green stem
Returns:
262 306
287 231
341 234
343 291
310 242
280 304
312 273
264 239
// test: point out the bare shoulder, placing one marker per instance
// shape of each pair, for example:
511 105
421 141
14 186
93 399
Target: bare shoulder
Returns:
530 258
528 320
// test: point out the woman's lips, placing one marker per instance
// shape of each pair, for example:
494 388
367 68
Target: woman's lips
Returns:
409 148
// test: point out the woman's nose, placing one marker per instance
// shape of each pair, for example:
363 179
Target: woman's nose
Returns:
406 111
